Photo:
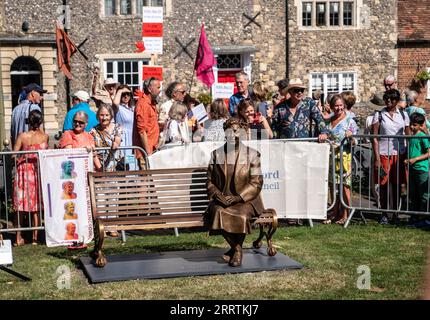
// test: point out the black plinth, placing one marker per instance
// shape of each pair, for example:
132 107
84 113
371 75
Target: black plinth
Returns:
182 264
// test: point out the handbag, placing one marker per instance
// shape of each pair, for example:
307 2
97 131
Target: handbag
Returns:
120 163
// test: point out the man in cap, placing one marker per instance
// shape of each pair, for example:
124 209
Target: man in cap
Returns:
80 103
20 113
298 117
107 94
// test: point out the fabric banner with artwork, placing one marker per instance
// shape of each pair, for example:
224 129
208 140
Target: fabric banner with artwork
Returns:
66 196
295 174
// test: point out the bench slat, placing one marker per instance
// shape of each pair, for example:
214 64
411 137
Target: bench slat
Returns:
128 193
154 226
159 184
139 210
153 190
155 218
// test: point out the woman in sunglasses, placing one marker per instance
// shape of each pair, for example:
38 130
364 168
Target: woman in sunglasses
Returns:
78 137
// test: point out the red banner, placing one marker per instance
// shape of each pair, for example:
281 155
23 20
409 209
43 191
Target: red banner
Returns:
152 29
152 72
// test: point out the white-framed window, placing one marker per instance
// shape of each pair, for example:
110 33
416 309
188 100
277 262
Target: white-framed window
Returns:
333 82
127 71
327 13
127 7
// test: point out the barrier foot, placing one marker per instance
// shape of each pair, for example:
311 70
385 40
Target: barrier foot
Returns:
123 236
14 273
176 232
311 223
349 219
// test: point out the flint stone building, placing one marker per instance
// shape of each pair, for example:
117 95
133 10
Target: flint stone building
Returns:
331 45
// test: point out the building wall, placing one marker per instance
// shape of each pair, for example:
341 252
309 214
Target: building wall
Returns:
369 49
115 37
414 43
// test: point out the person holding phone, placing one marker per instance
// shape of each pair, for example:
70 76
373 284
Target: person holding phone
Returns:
258 126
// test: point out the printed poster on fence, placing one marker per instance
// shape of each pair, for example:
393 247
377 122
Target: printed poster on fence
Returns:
66 196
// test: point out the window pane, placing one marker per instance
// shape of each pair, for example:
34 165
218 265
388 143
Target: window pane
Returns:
229 61
135 66
157 3
348 82
334 13
307 14
127 66
109 66
347 13
121 79
109 7
120 66
128 79
125 7
135 78
321 14
333 83
317 82
139 5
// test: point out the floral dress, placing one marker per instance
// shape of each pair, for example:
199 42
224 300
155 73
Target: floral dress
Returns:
106 138
336 135
214 130
26 184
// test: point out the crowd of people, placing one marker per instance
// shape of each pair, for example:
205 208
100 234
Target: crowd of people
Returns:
127 118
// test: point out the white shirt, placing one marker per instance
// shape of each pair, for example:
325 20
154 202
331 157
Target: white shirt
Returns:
391 126
178 131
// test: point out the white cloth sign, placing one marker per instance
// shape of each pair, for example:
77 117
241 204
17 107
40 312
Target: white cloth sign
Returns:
66 196
222 90
295 173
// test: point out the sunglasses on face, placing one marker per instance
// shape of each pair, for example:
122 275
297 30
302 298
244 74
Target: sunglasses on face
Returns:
81 123
389 84
298 90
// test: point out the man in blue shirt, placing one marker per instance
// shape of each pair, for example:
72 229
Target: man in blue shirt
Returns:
22 110
242 83
80 103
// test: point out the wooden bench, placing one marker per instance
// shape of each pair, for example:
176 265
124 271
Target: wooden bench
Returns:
155 199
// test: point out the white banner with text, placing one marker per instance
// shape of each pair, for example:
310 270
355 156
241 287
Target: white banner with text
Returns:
66 196
295 173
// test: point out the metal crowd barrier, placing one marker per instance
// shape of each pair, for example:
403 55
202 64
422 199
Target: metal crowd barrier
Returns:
368 194
10 221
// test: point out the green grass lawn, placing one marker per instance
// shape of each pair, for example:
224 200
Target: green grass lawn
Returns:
331 255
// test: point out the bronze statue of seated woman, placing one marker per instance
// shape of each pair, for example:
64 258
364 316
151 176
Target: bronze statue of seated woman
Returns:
234 185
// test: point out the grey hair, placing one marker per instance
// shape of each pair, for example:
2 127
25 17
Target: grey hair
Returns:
108 108
242 74
178 111
81 114
411 96
390 78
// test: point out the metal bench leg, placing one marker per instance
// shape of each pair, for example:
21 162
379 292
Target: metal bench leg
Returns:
123 236
176 232
311 223
258 243
271 250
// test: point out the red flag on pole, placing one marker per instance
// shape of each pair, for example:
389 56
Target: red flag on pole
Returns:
205 60
65 49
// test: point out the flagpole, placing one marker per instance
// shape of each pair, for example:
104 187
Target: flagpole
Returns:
192 81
